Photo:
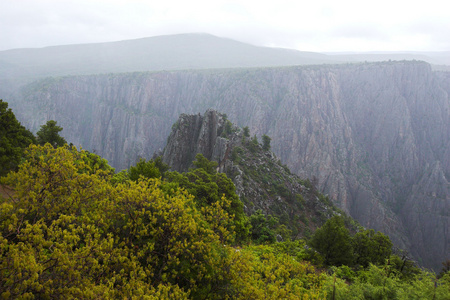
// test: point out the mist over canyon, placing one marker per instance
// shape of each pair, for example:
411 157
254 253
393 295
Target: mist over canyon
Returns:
375 136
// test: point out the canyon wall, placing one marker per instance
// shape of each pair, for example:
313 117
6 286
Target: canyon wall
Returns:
375 136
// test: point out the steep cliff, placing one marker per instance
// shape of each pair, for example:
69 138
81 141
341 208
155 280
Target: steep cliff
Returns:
193 134
262 182
376 136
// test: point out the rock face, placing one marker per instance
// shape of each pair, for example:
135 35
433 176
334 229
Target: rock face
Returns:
193 134
376 136
261 181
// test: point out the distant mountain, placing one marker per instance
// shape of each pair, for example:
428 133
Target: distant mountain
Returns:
171 52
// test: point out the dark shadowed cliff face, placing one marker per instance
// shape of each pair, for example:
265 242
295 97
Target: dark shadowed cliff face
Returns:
261 181
193 134
376 136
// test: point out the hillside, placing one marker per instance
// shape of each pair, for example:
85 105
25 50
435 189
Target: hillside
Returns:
262 182
171 52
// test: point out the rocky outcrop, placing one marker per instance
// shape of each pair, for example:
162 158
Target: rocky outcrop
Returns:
261 181
193 134
376 136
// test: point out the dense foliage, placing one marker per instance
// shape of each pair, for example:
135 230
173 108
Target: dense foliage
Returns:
68 231
75 229
14 138
208 188
332 240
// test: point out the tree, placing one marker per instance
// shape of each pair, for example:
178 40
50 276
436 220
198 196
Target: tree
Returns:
49 133
50 244
370 247
445 268
253 144
162 167
14 138
262 230
266 142
333 241
69 233
403 265
246 131
208 187
257 272
228 128
144 168
202 162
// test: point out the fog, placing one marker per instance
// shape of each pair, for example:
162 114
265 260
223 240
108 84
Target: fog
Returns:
320 26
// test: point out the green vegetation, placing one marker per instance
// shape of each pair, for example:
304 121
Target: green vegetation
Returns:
235 154
266 142
246 131
209 188
70 232
253 144
147 169
371 248
263 228
14 138
49 133
74 229
333 241
228 128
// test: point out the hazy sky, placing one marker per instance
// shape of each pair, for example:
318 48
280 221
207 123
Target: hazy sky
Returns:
313 25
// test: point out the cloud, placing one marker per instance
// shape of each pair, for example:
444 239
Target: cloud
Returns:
312 25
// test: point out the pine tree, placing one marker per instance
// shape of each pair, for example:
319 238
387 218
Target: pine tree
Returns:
49 133
266 142
333 241
14 138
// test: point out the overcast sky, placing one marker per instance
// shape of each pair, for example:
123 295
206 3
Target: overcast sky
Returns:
313 25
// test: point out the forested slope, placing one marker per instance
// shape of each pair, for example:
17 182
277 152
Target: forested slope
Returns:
71 227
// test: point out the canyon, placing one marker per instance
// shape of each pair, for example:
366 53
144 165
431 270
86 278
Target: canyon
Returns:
375 137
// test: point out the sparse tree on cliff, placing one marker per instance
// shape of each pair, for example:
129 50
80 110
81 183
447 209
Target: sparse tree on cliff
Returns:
266 142
246 131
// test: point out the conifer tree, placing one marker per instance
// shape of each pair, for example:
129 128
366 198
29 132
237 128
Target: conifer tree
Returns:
333 241
14 138
49 133
266 142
